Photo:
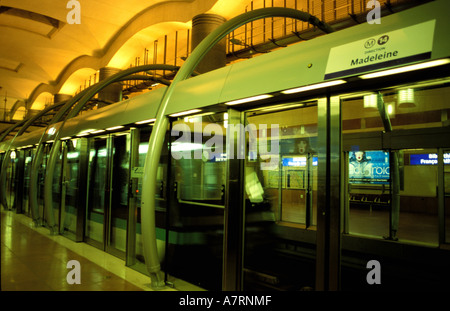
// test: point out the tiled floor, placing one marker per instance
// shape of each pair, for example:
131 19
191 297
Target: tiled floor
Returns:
32 260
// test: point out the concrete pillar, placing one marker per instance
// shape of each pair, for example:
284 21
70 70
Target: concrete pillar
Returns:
113 92
203 25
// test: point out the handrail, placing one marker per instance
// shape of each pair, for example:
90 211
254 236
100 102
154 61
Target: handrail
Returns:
157 136
90 92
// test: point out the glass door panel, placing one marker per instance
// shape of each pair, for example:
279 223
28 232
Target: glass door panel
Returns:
280 198
69 188
26 182
117 224
196 211
98 174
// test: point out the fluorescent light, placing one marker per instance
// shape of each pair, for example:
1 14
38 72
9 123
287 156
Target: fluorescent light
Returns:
66 138
114 128
145 121
248 99
98 131
183 113
388 72
314 86
83 134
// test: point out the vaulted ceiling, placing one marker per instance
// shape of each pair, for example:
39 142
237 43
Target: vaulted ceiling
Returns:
42 54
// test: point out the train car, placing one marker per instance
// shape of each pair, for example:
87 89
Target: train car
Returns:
277 172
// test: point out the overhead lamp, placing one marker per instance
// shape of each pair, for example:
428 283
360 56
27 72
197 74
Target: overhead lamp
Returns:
51 131
389 72
97 131
66 138
183 113
406 98
145 121
314 86
115 128
370 101
248 99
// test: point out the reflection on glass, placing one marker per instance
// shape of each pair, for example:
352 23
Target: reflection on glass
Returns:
96 193
119 192
70 189
26 181
278 197
198 156
369 192
418 199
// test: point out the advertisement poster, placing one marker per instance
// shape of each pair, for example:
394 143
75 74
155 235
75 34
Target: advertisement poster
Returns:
369 167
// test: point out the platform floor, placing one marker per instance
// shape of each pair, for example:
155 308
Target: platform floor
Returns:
32 260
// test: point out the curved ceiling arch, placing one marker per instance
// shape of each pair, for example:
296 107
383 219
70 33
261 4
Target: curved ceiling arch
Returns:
181 11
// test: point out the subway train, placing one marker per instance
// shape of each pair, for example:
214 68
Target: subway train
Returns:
292 170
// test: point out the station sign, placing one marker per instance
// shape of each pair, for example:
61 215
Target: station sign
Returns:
394 48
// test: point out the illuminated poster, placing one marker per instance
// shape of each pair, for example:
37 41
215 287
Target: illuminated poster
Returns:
369 167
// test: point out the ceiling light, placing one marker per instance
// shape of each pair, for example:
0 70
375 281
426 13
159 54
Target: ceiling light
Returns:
406 98
98 131
388 72
183 113
314 86
371 101
51 131
248 99
114 128
145 121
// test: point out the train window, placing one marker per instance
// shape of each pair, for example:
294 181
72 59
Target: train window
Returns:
69 191
405 207
289 186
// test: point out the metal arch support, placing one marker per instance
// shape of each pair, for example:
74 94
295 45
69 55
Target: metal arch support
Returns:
156 141
90 92
25 124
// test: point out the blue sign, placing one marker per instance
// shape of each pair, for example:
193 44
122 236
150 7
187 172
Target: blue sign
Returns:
297 161
369 167
427 159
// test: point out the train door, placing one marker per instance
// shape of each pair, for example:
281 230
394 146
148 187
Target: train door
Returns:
107 206
73 182
135 248
29 153
10 179
196 208
41 182
281 197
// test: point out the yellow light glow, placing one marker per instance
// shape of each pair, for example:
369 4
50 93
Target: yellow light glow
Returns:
183 113
248 99
115 128
314 86
389 72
